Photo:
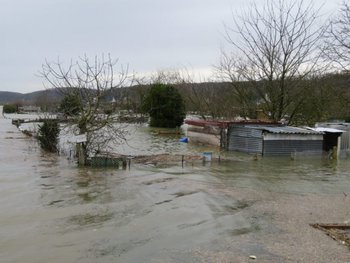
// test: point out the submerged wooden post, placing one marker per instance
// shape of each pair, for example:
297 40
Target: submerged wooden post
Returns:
335 153
124 164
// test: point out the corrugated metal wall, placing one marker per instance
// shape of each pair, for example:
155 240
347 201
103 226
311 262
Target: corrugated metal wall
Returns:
345 137
286 147
345 141
251 140
245 139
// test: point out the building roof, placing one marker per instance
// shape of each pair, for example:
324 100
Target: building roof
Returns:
286 130
337 125
225 124
328 130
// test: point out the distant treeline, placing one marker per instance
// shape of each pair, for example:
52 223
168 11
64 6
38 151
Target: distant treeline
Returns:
323 98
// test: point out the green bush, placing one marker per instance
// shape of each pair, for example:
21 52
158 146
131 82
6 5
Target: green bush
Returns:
165 106
48 135
10 108
70 105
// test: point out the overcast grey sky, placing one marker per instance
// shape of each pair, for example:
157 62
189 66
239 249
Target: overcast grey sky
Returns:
149 35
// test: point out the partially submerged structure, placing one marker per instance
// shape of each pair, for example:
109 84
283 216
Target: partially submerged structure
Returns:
207 132
29 108
344 139
274 140
264 137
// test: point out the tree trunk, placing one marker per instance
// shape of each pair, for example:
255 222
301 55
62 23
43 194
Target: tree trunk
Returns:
81 154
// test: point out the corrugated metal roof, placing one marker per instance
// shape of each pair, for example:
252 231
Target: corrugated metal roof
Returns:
330 130
286 130
336 125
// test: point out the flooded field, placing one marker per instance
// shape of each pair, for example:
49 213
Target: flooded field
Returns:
52 211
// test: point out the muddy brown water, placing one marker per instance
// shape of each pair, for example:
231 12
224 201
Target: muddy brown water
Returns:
52 211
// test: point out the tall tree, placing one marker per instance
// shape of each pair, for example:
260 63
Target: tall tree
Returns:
337 39
337 52
165 106
274 49
88 81
210 100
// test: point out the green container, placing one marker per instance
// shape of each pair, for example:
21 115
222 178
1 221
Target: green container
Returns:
100 161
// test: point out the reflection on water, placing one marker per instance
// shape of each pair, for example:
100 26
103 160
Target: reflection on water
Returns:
56 212
144 140
140 140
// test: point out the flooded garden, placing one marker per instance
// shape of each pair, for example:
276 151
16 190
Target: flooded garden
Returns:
238 209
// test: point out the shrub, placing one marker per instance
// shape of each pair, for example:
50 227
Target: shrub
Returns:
10 108
48 135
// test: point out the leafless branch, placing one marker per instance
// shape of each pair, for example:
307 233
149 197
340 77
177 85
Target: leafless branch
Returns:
273 47
93 81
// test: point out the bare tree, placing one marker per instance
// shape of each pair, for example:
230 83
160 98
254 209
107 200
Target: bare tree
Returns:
168 76
229 70
210 100
92 81
274 51
46 102
337 39
337 52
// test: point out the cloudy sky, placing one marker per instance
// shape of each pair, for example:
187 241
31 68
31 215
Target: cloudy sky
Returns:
148 35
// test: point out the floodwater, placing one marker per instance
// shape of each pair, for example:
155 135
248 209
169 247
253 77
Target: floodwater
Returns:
52 211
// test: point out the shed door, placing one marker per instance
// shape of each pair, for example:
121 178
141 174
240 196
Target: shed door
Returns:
330 140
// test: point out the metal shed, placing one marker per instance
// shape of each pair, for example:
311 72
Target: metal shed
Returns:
272 140
344 147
